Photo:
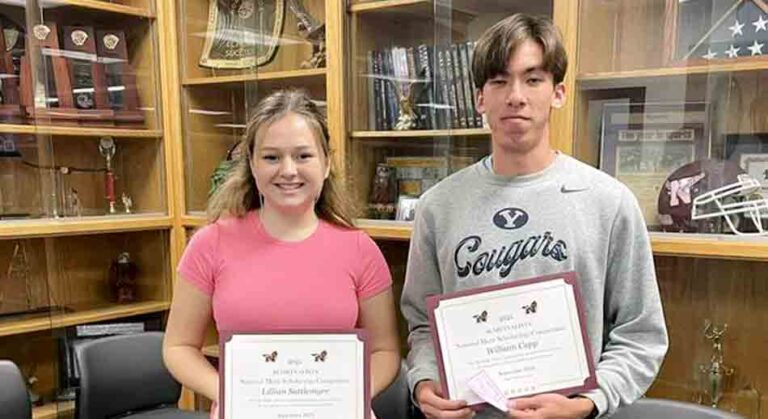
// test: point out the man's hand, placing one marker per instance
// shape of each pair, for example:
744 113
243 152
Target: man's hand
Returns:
550 406
433 405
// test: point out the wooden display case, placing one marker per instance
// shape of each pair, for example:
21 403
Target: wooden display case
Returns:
217 94
56 248
643 55
618 55
422 64
54 283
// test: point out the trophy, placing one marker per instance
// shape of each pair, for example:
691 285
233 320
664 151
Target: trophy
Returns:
63 98
87 75
120 77
716 371
383 193
127 202
407 90
73 199
18 291
231 42
12 43
122 275
313 31
107 150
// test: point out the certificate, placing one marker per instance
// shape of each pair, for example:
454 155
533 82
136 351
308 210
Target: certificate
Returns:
528 335
275 375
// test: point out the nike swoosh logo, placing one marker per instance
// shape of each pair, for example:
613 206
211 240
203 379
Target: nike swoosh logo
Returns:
565 189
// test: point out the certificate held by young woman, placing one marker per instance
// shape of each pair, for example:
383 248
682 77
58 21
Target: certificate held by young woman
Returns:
310 375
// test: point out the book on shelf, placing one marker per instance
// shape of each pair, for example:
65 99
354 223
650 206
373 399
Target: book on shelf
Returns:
439 77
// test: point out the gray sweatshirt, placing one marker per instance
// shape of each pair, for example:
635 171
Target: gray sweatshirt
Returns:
476 228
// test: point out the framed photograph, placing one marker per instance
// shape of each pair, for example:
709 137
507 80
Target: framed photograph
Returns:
756 165
737 145
642 143
406 208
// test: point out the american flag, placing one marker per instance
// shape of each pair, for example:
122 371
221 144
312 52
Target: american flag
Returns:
732 29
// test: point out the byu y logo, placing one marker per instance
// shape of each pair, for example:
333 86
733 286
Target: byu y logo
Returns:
510 218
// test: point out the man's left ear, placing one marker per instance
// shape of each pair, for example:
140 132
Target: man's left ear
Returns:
558 100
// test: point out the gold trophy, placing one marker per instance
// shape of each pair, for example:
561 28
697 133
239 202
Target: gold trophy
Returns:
716 371
313 31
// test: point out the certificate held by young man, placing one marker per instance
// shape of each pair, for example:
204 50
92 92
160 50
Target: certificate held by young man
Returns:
512 340
310 375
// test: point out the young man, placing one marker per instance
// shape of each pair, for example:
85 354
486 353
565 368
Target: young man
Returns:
528 210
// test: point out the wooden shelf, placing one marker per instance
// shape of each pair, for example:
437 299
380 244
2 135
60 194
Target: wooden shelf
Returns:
458 8
386 230
103 6
194 220
78 131
56 321
82 225
292 75
746 64
463 132
663 244
388 5
710 246
53 410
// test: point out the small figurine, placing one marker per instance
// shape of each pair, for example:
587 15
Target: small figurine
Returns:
127 203
123 278
34 397
383 193
75 207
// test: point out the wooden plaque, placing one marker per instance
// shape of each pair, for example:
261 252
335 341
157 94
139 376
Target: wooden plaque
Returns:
112 50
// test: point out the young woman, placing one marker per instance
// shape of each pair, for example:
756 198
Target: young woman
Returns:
280 252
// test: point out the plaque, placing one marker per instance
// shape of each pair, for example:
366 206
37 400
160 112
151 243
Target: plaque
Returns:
56 100
12 42
642 144
242 33
112 50
89 84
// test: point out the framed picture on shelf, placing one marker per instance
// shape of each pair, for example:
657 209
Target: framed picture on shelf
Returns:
406 208
756 165
642 143
737 145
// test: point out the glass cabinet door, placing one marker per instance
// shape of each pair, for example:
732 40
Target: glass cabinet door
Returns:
671 99
232 54
84 222
413 120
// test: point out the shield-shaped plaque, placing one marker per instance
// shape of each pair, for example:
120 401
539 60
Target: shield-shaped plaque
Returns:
242 33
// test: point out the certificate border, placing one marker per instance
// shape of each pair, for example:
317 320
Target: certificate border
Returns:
362 335
433 302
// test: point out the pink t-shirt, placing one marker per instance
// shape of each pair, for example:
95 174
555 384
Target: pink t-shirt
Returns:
257 282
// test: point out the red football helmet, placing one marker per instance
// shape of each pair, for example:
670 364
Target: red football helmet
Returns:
700 196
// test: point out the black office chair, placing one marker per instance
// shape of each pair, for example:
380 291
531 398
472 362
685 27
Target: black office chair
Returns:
14 399
647 408
125 376
394 402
